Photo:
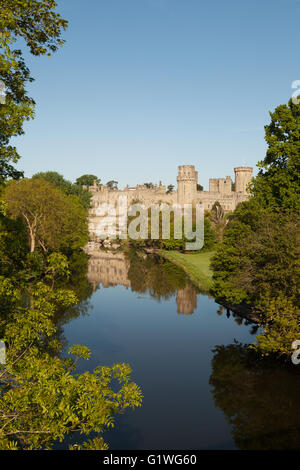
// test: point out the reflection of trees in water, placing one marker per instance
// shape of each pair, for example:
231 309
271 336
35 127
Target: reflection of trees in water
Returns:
160 278
239 320
143 273
79 284
259 398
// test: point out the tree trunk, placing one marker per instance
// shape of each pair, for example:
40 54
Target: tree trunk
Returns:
32 243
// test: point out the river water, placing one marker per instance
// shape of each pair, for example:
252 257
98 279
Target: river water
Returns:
201 389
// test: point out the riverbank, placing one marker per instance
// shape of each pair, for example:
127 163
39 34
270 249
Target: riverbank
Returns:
196 265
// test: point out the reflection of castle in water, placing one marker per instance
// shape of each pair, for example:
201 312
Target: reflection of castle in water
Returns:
108 269
111 269
186 300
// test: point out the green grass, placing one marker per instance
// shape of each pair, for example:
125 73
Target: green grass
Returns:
196 265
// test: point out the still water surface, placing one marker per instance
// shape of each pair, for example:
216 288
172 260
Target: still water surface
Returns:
147 313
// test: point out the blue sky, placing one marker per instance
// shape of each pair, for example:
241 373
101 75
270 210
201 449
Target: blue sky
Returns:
142 86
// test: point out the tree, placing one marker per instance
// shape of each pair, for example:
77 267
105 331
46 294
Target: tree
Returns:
259 256
170 188
56 179
258 261
13 245
277 185
54 221
83 194
149 185
199 187
88 180
219 219
112 184
37 23
42 400
66 186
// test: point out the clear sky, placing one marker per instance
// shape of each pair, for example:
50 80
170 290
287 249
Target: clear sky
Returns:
142 86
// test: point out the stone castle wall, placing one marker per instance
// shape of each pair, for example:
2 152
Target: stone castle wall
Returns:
220 189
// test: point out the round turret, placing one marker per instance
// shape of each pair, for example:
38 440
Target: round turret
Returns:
187 180
243 176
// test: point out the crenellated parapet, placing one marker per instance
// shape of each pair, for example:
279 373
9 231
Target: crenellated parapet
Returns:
220 189
243 177
187 180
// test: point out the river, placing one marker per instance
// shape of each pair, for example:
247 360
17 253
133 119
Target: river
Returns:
201 388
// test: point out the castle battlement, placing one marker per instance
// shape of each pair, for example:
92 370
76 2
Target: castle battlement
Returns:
220 189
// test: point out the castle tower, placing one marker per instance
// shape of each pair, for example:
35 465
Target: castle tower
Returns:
187 180
243 176
227 185
213 185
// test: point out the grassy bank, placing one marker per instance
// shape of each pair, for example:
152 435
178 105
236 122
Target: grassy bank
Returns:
196 265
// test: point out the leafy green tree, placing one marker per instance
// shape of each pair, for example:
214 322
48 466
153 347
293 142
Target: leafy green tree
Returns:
42 399
179 244
57 267
277 185
88 180
219 219
56 179
210 236
259 256
66 186
112 184
37 23
149 185
258 261
83 194
54 221
13 245
281 325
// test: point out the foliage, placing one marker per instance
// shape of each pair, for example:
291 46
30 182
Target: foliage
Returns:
66 186
277 185
259 255
258 259
282 325
58 266
42 399
173 243
219 219
37 23
54 221
112 184
88 180
170 189
13 245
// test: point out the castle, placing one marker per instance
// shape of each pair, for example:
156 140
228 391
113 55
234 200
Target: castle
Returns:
220 189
